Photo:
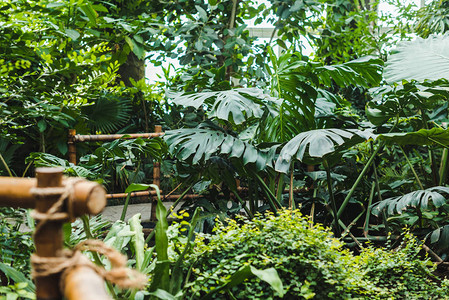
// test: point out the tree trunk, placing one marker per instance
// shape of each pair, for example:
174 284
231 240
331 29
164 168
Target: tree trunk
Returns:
133 68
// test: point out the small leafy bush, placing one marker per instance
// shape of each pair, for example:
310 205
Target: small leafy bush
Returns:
309 261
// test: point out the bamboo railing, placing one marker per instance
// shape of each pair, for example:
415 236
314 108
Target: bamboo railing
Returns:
75 138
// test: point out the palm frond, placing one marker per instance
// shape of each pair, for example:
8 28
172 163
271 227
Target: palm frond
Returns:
107 114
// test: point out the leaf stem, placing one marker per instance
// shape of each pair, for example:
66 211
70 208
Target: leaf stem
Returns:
6 165
368 209
331 197
411 167
358 180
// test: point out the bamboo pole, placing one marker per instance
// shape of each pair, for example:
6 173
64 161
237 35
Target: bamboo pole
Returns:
150 194
156 177
72 146
111 137
48 240
88 197
84 283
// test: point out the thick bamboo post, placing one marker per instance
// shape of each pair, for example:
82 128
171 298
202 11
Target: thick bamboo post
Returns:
156 177
48 240
72 146
83 283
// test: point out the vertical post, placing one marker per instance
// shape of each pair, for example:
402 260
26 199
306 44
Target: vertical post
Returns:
156 177
157 165
72 146
49 238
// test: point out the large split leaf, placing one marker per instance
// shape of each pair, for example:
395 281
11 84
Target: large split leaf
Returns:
420 198
365 71
420 59
235 105
319 142
431 136
199 144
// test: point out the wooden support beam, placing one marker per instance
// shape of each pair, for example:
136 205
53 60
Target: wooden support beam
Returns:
48 239
88 198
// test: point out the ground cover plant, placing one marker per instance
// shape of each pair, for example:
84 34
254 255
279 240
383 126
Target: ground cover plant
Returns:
352 134
310 262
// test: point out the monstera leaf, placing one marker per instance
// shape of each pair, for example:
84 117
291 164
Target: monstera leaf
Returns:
420 198
365 71
319 143
438 136
199 144
420 59
235 105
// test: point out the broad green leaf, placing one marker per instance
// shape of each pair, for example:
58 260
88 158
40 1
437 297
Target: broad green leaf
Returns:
268 275
16 276
42 125
365 71
202 12
420 59
73 34
232 105
440 237
438 136
419 199
135 187
138 49
137 241
90 12
317 143
161 277
118 236
199 144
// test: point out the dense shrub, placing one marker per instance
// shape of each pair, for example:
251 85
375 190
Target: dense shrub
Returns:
310 263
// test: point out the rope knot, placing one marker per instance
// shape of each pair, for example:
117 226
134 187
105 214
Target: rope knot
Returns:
119 273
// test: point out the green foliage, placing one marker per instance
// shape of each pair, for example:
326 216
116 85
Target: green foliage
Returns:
433 18
348 31
16 246
17 291
400 273
309 261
